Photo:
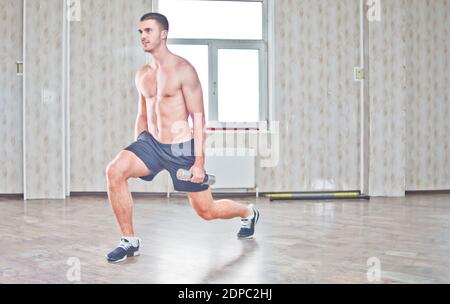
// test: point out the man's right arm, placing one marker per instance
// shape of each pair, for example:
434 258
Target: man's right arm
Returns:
141 124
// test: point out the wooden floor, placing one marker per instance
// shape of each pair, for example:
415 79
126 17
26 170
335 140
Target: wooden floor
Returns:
296 242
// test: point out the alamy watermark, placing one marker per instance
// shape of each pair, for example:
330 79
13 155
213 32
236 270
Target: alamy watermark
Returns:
73 274
262 140
374 10
374 270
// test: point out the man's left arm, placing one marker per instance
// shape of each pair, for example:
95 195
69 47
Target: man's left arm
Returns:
193 95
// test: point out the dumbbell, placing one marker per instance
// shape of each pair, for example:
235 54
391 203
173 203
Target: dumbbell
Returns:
186 175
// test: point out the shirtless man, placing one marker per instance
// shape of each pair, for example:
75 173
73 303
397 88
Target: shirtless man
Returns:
170 92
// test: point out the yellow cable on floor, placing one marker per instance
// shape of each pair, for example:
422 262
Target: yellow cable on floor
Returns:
291 195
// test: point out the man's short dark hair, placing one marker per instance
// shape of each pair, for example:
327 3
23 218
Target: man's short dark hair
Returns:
161 19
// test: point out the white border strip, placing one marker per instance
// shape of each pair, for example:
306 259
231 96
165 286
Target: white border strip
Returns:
362 101
65 99
24 99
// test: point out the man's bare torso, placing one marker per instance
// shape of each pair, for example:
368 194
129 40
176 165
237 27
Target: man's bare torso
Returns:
167 114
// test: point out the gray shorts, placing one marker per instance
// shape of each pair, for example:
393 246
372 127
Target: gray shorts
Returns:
157 157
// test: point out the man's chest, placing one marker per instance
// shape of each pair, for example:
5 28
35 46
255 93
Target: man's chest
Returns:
159 84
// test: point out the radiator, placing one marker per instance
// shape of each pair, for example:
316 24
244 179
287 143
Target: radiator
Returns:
233 168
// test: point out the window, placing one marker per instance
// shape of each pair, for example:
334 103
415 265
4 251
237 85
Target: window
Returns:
226 42
238 79
213 19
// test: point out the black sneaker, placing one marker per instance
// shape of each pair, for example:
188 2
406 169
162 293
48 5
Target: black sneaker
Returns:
248 225
123 251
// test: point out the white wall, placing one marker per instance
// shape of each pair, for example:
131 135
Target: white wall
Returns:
105 55
44 153
11 177
317 104
388 98
409 95
427 108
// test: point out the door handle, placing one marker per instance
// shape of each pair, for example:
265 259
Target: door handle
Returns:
19 67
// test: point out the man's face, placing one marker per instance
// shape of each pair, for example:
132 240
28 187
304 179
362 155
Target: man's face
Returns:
151 35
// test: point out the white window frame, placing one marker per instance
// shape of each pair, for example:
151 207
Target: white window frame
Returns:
266 78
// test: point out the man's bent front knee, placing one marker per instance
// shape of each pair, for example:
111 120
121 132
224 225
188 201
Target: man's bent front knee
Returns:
114 175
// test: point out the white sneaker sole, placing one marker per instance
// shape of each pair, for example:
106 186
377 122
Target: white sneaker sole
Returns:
137 253
246 237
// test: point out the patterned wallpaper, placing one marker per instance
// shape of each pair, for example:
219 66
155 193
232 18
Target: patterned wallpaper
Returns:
428 79
44 155
317 44
105 55
387 81
11 180
317 100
